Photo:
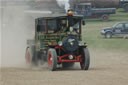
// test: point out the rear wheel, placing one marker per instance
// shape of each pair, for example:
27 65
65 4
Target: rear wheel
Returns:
85 59
126 7
30 56
52 59
108 35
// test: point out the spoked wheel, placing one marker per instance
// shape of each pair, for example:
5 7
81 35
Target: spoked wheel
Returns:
28 56
85 59
52 59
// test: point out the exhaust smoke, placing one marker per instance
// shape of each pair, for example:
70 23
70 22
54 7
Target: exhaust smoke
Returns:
64 4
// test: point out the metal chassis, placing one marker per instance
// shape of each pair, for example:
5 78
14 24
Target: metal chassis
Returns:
75 58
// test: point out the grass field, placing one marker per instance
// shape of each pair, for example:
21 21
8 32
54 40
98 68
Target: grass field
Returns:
91 33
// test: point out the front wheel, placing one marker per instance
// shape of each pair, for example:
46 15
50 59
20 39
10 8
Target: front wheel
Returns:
108 35
105 18
85 59
52 59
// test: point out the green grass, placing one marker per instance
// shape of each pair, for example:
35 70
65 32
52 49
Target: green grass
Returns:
91 33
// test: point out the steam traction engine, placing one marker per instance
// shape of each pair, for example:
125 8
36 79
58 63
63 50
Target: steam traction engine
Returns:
58 40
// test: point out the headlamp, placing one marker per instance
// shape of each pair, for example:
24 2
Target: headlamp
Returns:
60 43
80 43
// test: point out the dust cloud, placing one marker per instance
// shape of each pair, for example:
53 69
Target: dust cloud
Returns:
17 26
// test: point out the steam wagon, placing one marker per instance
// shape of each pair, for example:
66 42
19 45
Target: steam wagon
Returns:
58 40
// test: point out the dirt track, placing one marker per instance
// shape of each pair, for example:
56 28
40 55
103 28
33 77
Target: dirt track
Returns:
107 68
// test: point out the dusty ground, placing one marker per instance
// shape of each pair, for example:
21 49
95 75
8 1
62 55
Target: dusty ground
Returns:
107 68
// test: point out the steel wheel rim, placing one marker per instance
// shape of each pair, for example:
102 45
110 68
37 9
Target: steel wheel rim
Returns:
50 60
28 58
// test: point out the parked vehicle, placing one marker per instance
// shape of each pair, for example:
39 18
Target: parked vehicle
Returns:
89 12
116 30
103 3
58 40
